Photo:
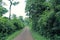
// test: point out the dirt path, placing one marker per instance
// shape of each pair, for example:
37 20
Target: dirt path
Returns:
25 35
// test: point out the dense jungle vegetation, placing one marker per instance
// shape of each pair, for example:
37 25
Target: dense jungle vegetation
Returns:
9 26
44 17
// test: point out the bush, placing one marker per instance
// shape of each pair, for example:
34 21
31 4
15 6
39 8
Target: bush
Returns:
7 27
17 23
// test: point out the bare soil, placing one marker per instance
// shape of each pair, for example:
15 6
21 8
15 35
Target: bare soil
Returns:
25 35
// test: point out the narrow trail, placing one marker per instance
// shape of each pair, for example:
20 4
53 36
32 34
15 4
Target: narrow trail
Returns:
25 35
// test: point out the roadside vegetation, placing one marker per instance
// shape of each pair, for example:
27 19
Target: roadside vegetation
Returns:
37 36
45 16
12 36
8 26
43 20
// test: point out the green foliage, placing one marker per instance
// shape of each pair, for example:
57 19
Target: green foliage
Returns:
15 3
7 27
18 24
45 16
57 8
0 0
37 36
21 18
2 10
11 37
45 23
28 22
12 2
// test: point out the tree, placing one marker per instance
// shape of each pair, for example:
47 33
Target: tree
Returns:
12 3
45 16
0 2
14 16
35 8
2 9
21 18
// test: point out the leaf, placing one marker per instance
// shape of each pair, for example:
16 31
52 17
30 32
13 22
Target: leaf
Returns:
15 3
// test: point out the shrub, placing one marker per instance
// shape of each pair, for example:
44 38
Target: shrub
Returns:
17 23
6 27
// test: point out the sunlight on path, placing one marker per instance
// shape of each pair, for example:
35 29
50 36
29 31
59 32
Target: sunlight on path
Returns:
25 35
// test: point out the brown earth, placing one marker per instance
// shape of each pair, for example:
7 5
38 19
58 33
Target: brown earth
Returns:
25 35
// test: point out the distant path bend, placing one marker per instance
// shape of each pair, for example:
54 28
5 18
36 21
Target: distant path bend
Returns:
25 35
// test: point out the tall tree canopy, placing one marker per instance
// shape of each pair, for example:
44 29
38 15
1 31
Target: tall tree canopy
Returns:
12 3
45 17
2 9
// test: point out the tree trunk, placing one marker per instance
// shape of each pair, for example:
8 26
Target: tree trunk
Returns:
10 11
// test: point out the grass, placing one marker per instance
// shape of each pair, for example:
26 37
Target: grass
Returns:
11 37
36 36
